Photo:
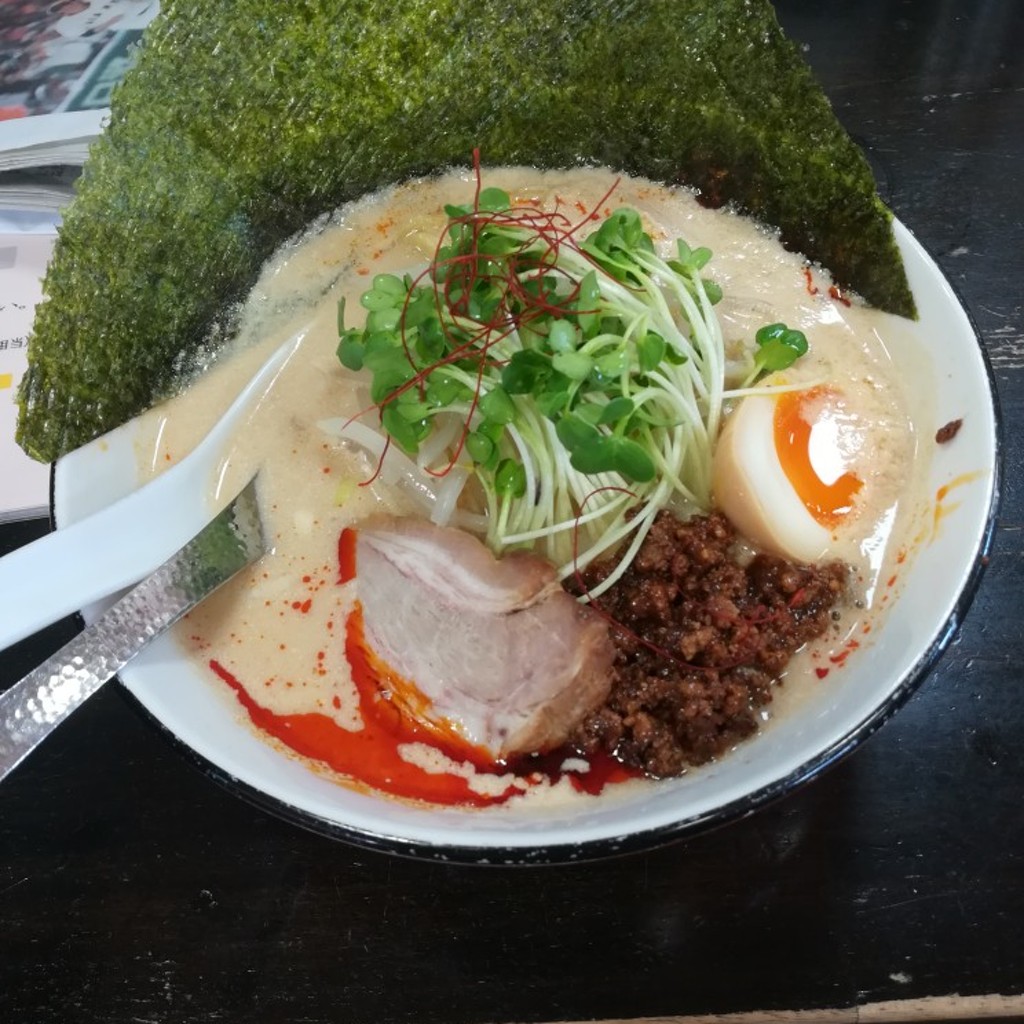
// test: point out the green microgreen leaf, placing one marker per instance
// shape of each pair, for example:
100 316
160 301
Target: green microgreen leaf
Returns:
779 347
510 479
612 454
611 366
385 319
420 309
384 386
351 350
713 290
573 431
650 350
387 292
551 403
690 260
617 409
563 336
674 356
589 412
494 200
530 337
495 431
384 352
429 345
588 305
411 409
484 300
613 244
525 372
481 448
575 365
442 389
497 406
389 377
407 434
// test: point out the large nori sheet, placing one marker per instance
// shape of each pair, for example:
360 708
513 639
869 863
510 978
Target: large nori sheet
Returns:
244 119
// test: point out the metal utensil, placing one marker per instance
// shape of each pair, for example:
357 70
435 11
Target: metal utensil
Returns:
32 708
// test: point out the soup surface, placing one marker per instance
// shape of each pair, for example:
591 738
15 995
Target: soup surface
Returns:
281 639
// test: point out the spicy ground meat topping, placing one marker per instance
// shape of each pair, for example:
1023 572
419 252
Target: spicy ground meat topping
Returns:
718 634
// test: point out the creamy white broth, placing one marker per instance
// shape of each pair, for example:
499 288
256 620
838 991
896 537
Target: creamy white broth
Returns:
280 627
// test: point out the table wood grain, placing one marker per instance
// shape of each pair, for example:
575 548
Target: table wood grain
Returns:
132 888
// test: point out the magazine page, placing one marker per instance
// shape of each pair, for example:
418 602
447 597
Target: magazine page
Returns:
38 188
59 63
26 241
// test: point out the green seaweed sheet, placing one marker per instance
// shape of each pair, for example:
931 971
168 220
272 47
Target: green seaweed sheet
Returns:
244 119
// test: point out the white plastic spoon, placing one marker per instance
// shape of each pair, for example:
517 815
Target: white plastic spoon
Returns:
73 567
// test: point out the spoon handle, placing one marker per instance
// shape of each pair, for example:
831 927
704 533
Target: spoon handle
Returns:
33 707
113 548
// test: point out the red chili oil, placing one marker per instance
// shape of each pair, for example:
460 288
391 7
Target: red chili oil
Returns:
346 556
371 756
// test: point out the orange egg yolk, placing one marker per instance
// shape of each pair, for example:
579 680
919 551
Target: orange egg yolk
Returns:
827 502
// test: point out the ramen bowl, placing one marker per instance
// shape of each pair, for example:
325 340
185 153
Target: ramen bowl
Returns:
832 717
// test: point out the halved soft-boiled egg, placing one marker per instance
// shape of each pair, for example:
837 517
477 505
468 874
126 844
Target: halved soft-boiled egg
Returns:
786 470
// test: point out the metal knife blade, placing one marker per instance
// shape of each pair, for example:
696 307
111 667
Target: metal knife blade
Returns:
33 707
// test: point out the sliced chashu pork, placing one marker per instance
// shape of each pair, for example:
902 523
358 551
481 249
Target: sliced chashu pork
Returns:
496 647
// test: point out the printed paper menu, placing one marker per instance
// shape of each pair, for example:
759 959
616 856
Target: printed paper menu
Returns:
24 483
60 63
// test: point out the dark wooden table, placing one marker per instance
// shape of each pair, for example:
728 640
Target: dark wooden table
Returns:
134 889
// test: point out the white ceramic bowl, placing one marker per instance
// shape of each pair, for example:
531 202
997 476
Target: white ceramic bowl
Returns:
834 719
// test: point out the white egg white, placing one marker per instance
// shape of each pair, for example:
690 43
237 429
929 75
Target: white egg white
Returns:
752 489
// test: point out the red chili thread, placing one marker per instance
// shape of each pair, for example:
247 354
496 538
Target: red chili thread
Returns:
836 293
